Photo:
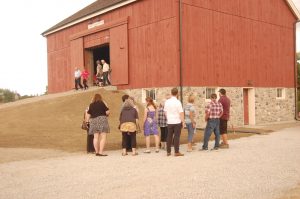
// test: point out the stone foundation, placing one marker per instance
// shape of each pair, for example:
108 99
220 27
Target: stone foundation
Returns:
268 109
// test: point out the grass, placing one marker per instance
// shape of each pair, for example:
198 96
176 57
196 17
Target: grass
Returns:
55 123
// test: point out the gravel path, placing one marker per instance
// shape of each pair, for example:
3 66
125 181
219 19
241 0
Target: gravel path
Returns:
257 167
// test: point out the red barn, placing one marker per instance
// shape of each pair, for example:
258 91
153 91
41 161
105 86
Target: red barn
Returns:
244 46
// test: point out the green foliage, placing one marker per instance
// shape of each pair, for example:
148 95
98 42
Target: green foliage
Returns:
298 55
7 95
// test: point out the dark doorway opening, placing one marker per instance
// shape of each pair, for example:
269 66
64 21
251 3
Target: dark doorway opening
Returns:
100 52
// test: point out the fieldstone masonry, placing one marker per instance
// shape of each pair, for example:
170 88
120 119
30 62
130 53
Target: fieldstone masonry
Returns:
268 109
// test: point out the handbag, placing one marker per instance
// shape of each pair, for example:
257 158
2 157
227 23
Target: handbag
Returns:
84 125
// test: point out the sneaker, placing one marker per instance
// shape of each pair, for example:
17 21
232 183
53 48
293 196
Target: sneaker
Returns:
224 146
178 154
203 149
215 149
147 151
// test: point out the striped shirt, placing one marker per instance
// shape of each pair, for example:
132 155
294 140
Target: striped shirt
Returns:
214 110
161 120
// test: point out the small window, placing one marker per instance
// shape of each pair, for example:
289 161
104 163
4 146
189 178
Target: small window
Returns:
149 93
280 93
209 91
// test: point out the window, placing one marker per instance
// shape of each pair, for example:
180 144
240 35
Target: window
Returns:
208 92
149 93
280 93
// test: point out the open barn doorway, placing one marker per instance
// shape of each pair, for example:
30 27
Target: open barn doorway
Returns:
100 52
92 55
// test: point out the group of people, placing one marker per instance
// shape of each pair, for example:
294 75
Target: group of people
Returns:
103 73
170 117
102 76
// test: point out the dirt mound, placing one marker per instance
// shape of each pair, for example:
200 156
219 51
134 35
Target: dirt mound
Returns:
54 122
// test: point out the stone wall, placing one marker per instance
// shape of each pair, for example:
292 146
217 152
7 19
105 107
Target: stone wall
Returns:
267 108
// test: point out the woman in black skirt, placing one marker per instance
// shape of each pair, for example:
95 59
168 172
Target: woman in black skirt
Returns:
97 117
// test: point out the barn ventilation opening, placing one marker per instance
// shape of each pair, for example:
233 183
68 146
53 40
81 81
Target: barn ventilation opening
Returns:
101 52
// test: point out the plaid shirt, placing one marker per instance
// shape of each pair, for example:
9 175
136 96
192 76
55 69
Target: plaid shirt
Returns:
214 110
162 120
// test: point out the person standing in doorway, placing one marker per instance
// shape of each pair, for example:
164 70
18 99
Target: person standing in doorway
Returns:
85 75
213 112
225 101
105 69
175 120
77 76
99 73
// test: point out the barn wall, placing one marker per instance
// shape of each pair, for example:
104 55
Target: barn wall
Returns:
153 45
238 43
225 43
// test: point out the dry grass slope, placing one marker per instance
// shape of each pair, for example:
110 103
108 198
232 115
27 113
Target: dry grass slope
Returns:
54 122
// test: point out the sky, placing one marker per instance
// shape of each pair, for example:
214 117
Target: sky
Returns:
23 50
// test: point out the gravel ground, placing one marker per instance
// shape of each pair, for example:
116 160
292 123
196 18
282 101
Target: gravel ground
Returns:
257 167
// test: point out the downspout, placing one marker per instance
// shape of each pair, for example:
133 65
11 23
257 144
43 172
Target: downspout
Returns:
296 72
180 50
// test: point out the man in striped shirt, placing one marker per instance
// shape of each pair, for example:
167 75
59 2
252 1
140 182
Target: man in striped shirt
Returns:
213 112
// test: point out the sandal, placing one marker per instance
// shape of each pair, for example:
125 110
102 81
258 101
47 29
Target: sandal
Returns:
134 154
147 151
124 154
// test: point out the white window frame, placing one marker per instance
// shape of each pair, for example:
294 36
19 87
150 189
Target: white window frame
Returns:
207 98
144 94
282 93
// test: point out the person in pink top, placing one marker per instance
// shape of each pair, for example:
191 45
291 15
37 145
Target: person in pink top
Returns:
85 75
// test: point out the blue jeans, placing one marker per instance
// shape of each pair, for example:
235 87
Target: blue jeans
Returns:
191 131
212 125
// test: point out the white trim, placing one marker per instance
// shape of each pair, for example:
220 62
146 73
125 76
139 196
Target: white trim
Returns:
293 7
208 99
282 94
90 16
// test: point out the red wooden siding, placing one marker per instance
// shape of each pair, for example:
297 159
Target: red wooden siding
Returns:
96 39
225 43
229 45
119 54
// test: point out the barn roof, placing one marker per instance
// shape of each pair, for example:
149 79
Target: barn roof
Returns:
92 10
103 6
293 8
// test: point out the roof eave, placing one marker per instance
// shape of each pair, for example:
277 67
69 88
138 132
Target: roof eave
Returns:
100 12
294 9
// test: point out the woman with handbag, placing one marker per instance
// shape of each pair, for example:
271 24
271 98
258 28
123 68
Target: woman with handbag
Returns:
97 117
128 126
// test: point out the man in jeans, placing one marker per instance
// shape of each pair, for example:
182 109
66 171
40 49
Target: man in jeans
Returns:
175 120
213 112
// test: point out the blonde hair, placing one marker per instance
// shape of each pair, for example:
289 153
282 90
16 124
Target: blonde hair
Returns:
191 99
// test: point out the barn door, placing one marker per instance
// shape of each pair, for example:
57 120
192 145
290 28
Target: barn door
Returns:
119 54
89 65
77 56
